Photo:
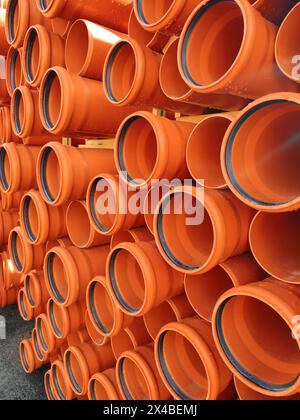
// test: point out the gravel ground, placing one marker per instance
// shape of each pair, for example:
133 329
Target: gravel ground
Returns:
14 383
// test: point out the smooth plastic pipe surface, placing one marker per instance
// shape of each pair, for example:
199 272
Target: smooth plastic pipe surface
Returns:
61 384
267 312
11 201
14 72
4 45
103 386
274 241
29 362
94 334
6 133
260 154
65 321
64 172
274 10
26 312
247 394
8 221
11 278
197 247
134 235
233 42
35 289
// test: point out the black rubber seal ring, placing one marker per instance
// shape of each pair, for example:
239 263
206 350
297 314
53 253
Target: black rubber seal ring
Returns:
15 252
71 374
28 229
3 155
31 40
51 279
96 318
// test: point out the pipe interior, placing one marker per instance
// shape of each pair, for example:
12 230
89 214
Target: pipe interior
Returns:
152 11
78 40
78 233
134 382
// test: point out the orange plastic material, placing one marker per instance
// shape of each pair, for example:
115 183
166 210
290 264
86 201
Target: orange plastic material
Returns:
131 338
97 338
8 220
78 338
139 84
113 13
25 257
166 16
151 147
273 10
189 363
87 47
274 240
11 278
17 167
262 349
106 317
6 133
175 88
203 152
83 234
73 105
7 297
11 201
114 217
259 154
176 309
25 119
4 94
247 394
35 289
63 242
49 386
60 26
65 321
4 46
135 235
157 41
62 387
152 198
203 291
39 355
287 46
29 362
25 310
198 245
104 386
64 172
48 342
83 361
139 279
41 222
138 377
20 15
14 73
234 43
68 271
42 49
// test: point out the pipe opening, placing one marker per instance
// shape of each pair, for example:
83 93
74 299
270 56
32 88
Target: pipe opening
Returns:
31 219
101 307
59 382
32 58
122 60
15 70
182 366
78 40
24 358
45 4
138 149
263 152
22 304
54 318
188 246
216 32
41 334
37 347
56 275
128 285
101 189
274 362
98 391
79 234
52 99
74 371
48 386
50 174
13 20
5 169
17 251
19 111
27 284
133 381
154 11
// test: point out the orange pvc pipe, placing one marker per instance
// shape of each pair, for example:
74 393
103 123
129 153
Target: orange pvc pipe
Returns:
64 172
138 377
87 46
25 310
262 349
10 201
189 363
151 147
14 72
42 49
106 317
49 386
41 222
61 26
116 217
63 242
80 231
11 278
104 386
18 167
173 310
274 240
97 338
49 344
4 94
6 133
27 356
198 247
139 279
175 88
4 45
203 291
69 105
113 14
78 338
164 16
8 221
233 42
61 384
25 257
152 199
203 153
8 297
35 289
247 394
259 154
68 271
65 321
274 10
83 361
139 85
20 16
134 235
287 46
131 338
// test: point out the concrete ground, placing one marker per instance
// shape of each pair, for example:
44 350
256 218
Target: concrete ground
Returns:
14 383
